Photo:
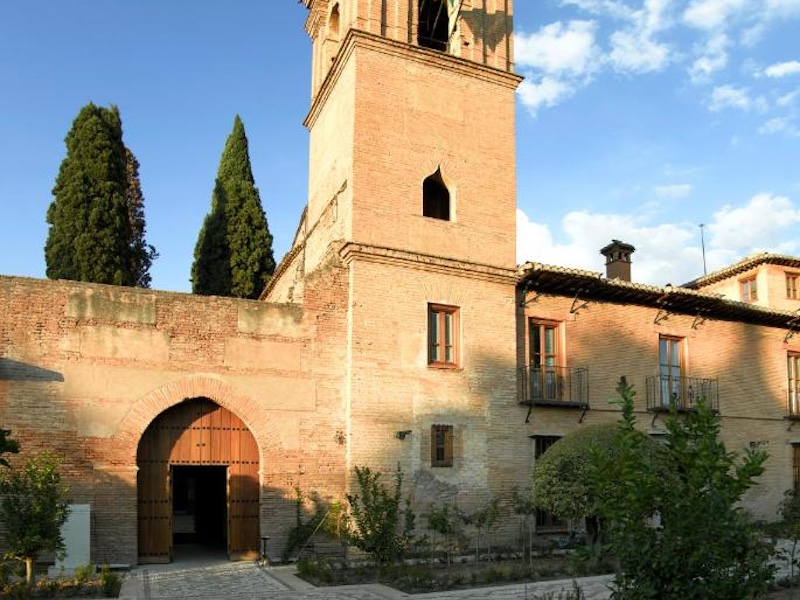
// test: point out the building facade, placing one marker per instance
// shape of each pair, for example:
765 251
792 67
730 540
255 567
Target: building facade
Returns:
397 332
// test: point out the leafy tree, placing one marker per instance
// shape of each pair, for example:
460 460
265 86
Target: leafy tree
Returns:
233 254
443 519
704 548
94 235
376 515
790 513
33 508
7 446
562 475
142 253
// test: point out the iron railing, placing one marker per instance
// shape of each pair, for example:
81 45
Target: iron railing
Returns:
668 392
555 386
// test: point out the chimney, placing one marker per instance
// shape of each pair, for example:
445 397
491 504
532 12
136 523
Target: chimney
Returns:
618 260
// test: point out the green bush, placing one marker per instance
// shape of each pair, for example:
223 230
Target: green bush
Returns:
704 547
376 515
110 582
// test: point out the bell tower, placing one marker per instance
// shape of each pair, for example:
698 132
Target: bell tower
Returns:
412 127
410 227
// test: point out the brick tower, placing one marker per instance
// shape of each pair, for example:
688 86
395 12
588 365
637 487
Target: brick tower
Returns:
412 193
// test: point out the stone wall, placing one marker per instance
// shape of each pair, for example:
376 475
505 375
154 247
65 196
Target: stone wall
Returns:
85 368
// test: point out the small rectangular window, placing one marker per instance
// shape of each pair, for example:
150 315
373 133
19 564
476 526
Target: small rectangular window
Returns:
793 285
793 374
442 335
749 290
442 446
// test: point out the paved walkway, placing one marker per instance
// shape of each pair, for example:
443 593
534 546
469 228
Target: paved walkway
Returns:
218 579
248 581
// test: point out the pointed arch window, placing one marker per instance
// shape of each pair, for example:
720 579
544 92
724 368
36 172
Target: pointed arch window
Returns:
333 24
435 197
433 24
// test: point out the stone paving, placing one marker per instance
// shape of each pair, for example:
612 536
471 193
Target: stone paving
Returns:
219 579
249 581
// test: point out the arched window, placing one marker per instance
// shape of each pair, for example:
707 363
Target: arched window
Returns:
333 24
433 28
435 197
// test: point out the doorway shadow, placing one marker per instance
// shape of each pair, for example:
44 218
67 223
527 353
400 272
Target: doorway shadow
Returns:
198 553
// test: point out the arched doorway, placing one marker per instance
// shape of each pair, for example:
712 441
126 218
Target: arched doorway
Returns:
197 482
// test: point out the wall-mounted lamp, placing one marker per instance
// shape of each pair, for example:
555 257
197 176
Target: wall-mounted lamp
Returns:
401 435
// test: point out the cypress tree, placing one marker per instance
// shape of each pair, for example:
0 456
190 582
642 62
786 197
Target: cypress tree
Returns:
142 253
92 231
233 255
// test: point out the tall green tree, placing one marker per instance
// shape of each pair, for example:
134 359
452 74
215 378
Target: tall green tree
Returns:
33 509
233 255
94 234
142 253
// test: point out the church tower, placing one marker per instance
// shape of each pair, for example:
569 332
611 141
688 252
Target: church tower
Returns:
412 193
412 125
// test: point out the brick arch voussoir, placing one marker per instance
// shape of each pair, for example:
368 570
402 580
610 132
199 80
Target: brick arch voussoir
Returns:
150 406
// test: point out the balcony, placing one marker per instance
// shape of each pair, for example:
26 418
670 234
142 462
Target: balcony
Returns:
667 392
555 386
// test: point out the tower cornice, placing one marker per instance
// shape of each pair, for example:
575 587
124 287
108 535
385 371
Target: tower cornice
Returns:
361 39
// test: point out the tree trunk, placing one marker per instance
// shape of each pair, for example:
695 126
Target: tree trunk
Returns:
29 571
592 533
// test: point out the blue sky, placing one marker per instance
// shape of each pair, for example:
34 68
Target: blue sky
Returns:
637 121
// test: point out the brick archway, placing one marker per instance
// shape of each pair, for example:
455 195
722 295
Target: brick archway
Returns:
150 406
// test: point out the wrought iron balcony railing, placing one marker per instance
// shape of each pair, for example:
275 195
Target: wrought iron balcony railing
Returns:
668 392
555 386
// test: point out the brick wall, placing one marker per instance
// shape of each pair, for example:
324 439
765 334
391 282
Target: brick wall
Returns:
85 368
749 362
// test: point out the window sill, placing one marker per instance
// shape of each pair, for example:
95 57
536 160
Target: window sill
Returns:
445 366
556 403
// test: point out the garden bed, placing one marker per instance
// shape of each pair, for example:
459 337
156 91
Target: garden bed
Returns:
86 582
429 576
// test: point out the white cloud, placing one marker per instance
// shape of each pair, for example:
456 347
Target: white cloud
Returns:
782 8
561 56
713 56
664 253
728 96
788 99
783 69
756 225
680 190
634 48
712 14
549 91
779 125
636 52
559 48
618 10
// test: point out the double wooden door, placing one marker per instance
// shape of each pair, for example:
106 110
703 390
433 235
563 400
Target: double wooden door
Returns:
197 433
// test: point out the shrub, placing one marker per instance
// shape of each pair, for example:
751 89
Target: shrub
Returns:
704 549
110 582
376 515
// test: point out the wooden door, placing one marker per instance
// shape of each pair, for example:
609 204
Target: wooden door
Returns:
155 511
198 432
